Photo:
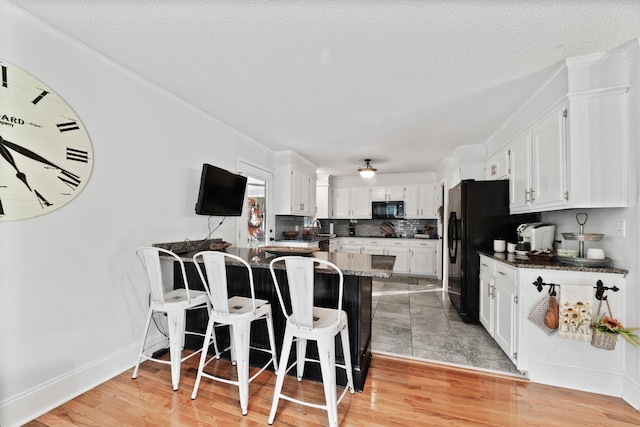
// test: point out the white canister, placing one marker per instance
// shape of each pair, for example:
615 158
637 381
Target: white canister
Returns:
595 253
499 245
511 248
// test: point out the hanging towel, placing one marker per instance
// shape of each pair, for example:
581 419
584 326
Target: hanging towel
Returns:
576 304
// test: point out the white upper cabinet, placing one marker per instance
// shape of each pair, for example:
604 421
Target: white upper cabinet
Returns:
538 165
420 201
295 189
497 166
352 202
385 194
568 146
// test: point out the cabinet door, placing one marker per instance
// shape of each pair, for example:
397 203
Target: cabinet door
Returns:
412 201
395 193
423 260
486 300
360 203
519 183
548 161
505 316
296 192
428 203
373 247
498 166
401 253
341 202
378 194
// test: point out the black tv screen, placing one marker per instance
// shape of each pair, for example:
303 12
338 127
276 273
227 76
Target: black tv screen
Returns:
221 192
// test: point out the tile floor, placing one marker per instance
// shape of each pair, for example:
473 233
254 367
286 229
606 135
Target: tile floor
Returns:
413 317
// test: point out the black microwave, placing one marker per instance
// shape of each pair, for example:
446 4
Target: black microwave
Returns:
387 210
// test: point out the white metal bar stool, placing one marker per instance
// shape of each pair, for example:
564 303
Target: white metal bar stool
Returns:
175 304
306 322
236 312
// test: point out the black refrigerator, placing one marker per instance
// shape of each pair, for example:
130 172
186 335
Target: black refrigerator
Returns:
478 214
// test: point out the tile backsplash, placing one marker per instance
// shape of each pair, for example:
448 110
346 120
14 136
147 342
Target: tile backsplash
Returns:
363 227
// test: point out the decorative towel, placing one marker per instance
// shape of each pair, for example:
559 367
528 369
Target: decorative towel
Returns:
576 305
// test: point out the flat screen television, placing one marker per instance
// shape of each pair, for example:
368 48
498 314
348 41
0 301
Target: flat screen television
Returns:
221 192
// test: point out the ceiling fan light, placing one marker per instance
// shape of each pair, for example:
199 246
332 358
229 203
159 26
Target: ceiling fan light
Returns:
367 171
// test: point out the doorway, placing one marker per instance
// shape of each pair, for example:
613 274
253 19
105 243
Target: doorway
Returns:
255 225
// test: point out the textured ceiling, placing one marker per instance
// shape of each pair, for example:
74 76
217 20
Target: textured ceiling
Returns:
400 82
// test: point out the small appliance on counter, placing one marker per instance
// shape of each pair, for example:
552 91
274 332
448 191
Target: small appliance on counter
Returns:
352 229
538 234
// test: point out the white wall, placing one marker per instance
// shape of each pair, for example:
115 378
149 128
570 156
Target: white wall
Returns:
72 293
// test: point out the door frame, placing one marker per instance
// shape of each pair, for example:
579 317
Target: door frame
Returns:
248 168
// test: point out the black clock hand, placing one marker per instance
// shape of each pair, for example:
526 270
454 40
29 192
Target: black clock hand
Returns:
28 153
9 158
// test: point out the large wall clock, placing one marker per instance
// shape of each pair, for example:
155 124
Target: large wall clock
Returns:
46 155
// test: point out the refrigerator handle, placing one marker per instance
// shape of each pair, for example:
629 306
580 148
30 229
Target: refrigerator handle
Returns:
452 237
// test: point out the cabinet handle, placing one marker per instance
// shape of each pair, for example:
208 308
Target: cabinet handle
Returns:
526 196
484 265
502 273
532 191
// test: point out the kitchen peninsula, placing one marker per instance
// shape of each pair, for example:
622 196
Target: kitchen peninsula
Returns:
358 270
510 291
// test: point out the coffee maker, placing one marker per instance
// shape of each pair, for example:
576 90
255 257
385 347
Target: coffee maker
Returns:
538 235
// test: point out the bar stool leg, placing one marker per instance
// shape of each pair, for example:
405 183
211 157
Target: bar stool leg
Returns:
241 334
203 355
301 353
327 353
272 340
284 360
175 345
144 340
346 350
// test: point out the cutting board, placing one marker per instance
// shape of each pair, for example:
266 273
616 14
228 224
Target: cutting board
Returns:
387 229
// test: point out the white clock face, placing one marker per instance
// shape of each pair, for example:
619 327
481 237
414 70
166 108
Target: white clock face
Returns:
45 152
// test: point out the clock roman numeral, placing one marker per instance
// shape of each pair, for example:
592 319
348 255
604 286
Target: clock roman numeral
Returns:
5 83
39 97
43 202
70 179
66 127
77 155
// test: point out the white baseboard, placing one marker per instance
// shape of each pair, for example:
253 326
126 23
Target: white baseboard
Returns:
30 404
575 378
631 392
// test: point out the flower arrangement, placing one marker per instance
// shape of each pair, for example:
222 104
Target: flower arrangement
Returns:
612 328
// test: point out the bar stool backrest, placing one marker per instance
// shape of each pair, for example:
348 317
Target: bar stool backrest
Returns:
300 276
216 278
150 258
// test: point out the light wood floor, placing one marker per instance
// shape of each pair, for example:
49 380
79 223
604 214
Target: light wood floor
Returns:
398 392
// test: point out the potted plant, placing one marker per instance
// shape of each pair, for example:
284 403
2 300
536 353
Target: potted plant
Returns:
606 330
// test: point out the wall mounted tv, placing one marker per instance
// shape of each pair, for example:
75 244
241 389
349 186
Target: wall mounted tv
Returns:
221 192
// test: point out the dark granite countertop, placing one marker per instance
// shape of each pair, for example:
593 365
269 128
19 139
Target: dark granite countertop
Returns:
511 259
363 265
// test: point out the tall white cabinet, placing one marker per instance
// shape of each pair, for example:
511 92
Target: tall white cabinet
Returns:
295 189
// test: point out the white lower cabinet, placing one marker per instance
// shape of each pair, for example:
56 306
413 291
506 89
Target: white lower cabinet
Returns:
498 304
413 256
373 247
351 245
423 257
399 249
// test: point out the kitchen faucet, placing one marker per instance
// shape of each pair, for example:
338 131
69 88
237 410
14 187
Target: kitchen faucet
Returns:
317 226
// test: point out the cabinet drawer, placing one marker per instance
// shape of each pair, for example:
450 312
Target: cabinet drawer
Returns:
506 273
487 265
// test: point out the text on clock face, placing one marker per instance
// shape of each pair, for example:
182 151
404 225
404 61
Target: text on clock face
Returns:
11 119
